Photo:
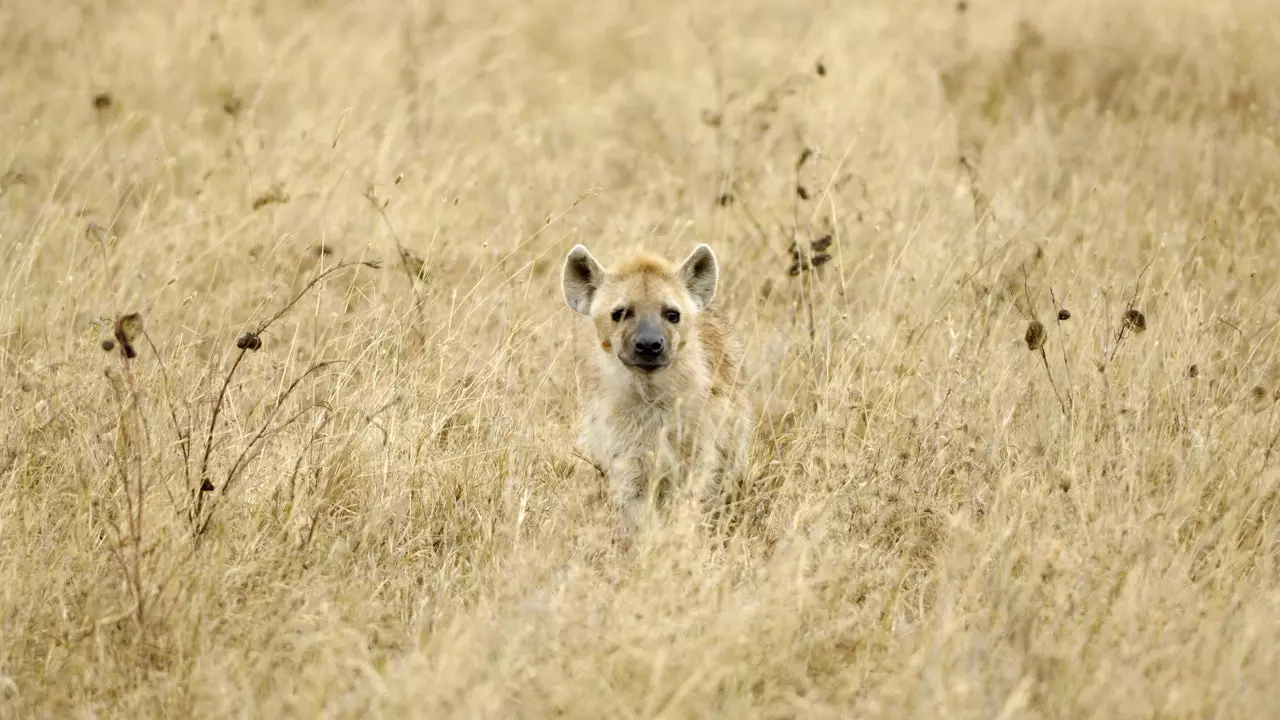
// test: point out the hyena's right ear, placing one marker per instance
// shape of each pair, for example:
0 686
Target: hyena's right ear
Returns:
582 277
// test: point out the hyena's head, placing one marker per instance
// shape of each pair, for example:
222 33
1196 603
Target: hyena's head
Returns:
644 310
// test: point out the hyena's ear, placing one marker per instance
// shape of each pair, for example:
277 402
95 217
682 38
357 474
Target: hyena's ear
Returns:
582 277
700 273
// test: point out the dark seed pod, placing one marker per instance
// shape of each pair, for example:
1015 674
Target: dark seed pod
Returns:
1064 314
249 341
821 243
206 486
108 344
1193 372
802 192
1036 335
1135 321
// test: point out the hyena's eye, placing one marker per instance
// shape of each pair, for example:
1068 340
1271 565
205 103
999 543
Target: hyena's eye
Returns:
672 315
620 314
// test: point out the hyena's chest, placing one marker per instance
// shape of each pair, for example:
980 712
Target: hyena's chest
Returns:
657 441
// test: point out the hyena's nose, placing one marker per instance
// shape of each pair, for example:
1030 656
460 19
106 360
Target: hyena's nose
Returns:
650 345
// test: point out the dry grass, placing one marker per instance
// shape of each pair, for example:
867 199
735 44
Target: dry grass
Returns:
964 502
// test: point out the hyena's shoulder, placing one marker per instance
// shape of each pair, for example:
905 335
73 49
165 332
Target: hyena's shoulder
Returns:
722 350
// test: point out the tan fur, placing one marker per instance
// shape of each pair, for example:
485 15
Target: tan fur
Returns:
679 430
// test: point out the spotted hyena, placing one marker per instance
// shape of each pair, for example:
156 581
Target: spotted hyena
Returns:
666 414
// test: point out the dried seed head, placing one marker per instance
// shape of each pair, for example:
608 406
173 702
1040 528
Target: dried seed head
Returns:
821 243
103 101
821 69
275 195
802 192
804 157
1259 393
821 259
415 263
1135 320
725 199
1036 335
1193 372
128 329
108 344
322 249
249 341
1064 314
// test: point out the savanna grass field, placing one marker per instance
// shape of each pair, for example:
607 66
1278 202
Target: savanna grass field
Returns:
291 391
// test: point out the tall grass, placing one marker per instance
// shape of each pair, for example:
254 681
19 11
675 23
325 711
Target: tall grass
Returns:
290 391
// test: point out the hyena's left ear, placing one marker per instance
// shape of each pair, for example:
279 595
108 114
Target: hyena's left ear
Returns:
700 273
582 277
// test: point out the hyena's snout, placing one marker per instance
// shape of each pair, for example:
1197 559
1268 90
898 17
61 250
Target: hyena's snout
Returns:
648 348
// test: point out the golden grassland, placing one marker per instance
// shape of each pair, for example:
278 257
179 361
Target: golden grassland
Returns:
1006 277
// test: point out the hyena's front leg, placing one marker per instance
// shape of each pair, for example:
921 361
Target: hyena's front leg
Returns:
629 489
704 475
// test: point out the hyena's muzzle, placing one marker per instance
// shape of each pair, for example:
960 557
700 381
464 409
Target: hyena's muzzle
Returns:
647 350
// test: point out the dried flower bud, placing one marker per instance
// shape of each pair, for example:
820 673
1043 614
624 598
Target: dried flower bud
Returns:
249 341
1135 321
1036 335
128 330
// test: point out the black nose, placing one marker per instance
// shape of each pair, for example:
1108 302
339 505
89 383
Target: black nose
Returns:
650 345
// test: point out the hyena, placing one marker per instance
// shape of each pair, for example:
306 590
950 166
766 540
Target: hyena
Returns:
667 415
